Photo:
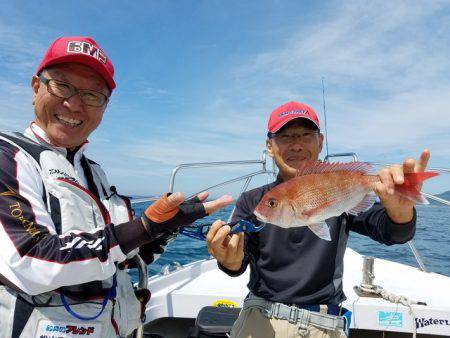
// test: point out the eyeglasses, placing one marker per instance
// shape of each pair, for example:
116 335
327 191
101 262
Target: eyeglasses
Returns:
65 90
289 138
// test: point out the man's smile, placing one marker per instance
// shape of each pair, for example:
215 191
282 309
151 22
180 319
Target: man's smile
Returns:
68 121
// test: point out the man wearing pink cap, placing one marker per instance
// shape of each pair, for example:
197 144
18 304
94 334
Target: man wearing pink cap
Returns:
66 234
295 276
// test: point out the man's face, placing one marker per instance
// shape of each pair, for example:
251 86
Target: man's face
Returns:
68 122
292 146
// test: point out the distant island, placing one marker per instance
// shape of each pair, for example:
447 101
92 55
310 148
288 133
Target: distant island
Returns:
444 195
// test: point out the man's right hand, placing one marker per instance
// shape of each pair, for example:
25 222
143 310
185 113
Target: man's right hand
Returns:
228 250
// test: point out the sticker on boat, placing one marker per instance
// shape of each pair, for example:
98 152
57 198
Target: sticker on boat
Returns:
387 318
224 303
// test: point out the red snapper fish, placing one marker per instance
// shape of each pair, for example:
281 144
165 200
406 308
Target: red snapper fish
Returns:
321 190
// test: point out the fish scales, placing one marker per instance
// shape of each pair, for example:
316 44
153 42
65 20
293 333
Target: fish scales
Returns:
312 191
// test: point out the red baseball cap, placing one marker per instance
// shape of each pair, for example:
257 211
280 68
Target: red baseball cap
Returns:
288 112
79 49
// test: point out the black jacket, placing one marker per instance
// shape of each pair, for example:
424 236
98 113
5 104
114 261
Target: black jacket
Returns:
294 266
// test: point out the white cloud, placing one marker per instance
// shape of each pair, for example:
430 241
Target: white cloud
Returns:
387 88
15 100
153 92
187 148
19 55
385 72
358 41
19 52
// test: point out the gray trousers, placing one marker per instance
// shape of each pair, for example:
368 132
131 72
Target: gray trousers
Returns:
251 323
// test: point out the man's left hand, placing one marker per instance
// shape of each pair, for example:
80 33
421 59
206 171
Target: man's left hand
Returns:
399 208
170 211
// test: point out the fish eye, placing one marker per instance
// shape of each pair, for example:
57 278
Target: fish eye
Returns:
272 203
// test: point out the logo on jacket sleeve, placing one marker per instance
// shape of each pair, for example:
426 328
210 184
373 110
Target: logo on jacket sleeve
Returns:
9 192
58 173
16 211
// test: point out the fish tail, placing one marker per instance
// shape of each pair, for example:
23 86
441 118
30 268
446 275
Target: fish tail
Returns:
413 179
409 188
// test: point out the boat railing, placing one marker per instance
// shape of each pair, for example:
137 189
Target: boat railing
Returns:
141 285
263 162
352 155
267 168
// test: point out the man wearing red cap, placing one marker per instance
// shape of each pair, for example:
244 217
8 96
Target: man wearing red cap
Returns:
295 276
66 234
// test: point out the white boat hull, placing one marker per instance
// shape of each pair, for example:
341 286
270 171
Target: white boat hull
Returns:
182 293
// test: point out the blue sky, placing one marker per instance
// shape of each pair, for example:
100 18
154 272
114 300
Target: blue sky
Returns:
198 79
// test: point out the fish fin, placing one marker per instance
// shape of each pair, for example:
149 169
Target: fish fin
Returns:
318 167
412 194
365 204
321 230
408 188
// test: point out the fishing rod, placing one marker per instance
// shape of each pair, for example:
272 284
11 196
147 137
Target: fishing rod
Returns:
325 115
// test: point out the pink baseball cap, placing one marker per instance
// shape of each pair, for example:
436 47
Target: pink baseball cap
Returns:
288 112
79 49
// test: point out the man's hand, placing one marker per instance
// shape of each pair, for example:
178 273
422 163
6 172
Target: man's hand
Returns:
228 250
170 212
399 208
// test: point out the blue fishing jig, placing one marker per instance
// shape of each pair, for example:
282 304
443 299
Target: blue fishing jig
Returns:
199 231
244 226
